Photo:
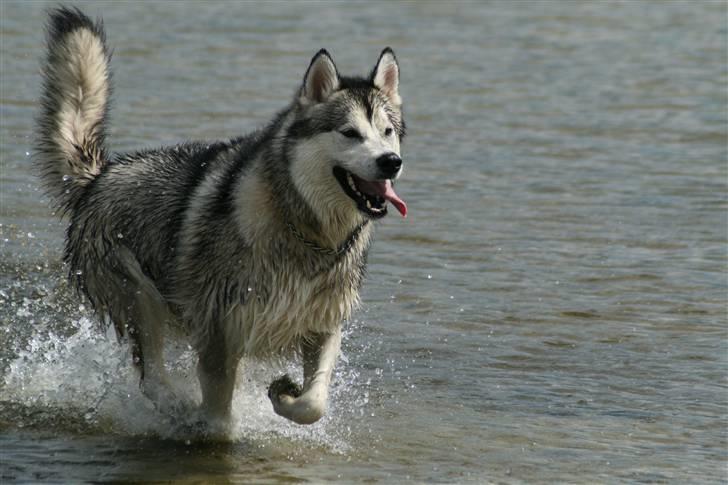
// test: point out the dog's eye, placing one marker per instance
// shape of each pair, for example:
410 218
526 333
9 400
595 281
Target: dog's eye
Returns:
388 132
351 133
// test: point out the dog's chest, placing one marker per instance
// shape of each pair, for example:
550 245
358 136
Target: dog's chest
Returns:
289 305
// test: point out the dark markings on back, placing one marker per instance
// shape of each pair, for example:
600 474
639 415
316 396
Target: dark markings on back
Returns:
198 166
222 203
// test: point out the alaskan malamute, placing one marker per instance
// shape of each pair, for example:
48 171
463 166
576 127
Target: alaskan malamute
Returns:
254 246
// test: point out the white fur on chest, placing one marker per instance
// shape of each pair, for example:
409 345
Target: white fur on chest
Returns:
294 308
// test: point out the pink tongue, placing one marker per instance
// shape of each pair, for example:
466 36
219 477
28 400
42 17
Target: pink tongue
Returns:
384 189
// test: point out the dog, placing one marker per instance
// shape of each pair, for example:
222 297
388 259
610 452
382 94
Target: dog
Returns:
254 246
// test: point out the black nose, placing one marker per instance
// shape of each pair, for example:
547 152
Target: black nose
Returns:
389 164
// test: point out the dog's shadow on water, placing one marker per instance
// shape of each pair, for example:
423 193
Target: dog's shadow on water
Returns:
153 458
197 455
148 459
54 439
205 460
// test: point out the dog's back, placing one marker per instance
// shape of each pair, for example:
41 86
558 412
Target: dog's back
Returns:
139 201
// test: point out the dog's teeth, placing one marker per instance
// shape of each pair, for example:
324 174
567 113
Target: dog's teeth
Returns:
369 204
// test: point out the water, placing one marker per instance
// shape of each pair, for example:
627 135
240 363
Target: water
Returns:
553 309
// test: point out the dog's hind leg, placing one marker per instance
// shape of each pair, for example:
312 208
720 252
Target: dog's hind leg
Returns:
140 311
308 405
146 333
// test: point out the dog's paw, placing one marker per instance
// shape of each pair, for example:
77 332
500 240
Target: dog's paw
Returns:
290 402
283 393
283 386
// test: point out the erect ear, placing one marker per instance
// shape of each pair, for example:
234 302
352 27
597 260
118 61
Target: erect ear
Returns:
385 76
321 78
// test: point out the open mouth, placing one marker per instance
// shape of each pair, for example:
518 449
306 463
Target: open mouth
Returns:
371 197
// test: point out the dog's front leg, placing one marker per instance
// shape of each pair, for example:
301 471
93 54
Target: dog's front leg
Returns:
216 370
308 405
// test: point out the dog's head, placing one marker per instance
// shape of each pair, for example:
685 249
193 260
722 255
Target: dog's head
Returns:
345 152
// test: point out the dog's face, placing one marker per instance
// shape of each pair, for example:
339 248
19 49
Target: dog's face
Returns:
348 134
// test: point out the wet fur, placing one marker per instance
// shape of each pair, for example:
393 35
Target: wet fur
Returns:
196 235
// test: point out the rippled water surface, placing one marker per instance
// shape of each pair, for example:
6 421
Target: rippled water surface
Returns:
552 309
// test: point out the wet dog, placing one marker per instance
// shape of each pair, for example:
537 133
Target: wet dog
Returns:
254 246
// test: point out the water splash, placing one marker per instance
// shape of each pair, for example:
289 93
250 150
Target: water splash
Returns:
82 379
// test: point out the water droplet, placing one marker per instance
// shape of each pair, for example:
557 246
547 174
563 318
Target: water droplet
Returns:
429 276
78 272
120 236
31 235
67 178
27 154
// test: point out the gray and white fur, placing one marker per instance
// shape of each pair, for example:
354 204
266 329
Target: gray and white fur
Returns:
254 246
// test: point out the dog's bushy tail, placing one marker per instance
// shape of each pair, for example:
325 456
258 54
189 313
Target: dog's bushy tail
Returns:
71 128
